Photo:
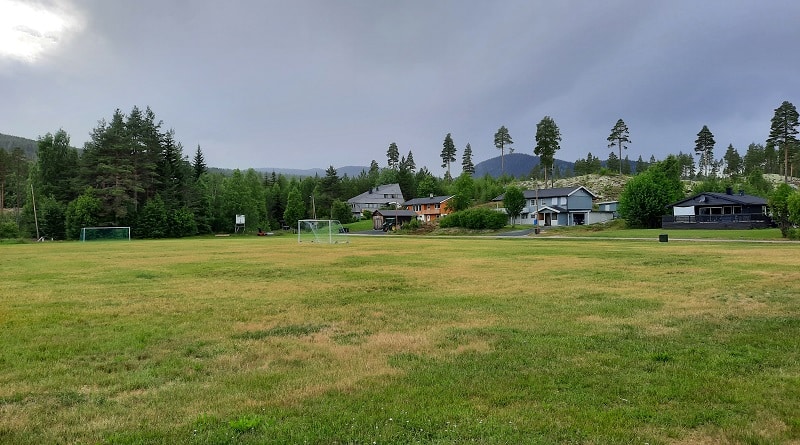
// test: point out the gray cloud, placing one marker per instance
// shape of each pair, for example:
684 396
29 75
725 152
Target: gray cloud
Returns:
318 83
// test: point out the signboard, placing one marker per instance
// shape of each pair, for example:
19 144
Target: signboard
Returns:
240 220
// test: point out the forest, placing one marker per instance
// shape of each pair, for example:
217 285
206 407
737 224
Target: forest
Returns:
133 172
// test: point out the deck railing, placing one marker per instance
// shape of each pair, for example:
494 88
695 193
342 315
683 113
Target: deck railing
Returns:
700 219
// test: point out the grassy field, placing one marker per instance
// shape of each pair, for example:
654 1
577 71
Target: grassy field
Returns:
400 340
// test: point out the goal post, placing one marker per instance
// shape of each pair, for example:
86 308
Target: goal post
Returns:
325 231
105 233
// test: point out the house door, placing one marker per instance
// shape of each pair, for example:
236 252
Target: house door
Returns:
548 219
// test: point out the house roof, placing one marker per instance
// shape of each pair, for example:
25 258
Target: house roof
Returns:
552 209
428 200
381 194
390 213
551 193
713 199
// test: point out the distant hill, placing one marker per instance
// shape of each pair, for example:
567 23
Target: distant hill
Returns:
518 165
29 146
350 170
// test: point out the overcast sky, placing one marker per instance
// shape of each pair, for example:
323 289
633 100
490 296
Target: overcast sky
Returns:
304 84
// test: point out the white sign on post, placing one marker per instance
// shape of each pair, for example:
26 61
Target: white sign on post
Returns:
240 220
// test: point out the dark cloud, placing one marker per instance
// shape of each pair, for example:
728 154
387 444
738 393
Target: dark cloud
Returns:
318 83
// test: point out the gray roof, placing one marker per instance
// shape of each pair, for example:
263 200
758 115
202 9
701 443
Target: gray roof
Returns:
428 200
390 213
551 193
711 199
381 194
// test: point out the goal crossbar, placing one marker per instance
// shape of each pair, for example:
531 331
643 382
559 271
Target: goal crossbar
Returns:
326 231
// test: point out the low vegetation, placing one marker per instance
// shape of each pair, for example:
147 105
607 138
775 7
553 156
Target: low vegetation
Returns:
399 340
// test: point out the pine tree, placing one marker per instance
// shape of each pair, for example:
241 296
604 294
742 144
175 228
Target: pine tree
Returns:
619 137
466 160
393 156
501 139
704 147
783 132
548 137
448 154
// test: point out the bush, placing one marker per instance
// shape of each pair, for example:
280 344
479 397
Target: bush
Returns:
414 224
9 230
476 219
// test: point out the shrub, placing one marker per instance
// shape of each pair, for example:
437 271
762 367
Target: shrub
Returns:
9 229
476 219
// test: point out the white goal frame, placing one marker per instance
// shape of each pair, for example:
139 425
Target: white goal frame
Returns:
99 229
324 231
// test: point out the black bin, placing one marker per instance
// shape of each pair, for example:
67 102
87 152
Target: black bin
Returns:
663 238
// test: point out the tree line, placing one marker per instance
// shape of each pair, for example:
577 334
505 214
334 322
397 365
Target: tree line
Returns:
133 172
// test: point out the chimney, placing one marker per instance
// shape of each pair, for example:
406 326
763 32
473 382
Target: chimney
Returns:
431 195
728 190
741 192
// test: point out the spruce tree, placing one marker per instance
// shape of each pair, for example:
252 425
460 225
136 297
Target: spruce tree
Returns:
466 160
199 164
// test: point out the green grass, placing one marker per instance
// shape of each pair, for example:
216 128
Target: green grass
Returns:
399 340
614 231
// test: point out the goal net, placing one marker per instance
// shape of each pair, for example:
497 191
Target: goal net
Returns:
105 233
326 231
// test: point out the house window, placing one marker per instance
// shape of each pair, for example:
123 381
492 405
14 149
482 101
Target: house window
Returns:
563 200
554 201
438 206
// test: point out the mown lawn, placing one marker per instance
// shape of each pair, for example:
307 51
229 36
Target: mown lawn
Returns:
399 340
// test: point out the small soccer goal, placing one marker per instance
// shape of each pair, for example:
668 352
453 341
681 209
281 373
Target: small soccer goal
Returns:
325 231
105 233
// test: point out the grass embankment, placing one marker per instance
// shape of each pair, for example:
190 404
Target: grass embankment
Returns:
399 340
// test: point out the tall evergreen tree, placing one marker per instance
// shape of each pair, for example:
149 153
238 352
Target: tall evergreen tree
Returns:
466 160
733 162
410 165
640 165
613 163
704 147
548 137
199 164
108 167
4 167
619 137
626 166
501 139
393 156
753 159
783 132
448 153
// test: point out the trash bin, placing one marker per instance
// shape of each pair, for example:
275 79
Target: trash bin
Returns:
663 238
536 231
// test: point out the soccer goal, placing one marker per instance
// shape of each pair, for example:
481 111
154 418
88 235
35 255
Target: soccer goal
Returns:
105 233
326 231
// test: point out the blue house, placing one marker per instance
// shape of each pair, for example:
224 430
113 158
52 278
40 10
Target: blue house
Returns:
562 206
